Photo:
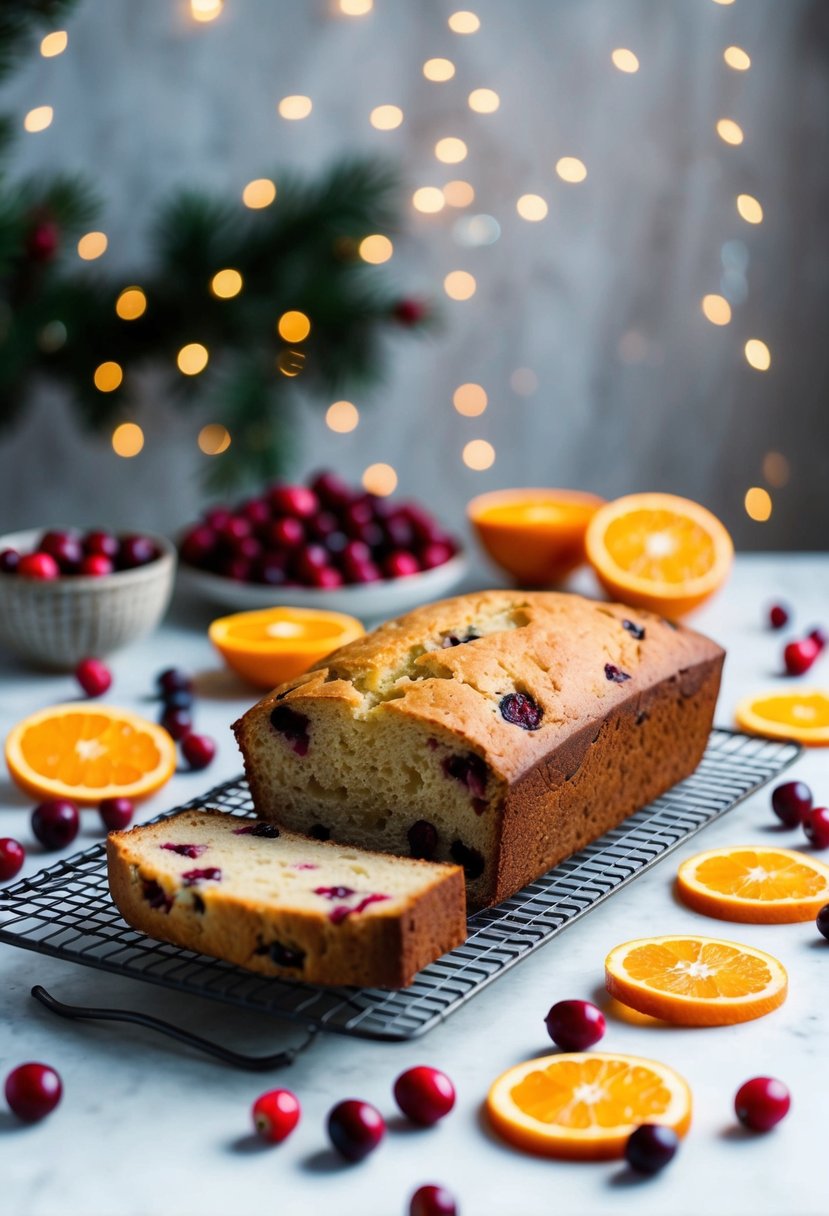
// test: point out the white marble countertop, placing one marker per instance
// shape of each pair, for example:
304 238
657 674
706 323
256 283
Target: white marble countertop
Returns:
147 1128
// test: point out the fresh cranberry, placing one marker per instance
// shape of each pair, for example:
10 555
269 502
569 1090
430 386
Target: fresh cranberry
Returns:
198 544
798 657
93 676
308 558
173 679
356 551
327 578
286 532
116 813
33 1091
819 636
65 548
38 565
471 860
330 490
614 673
373 536
270 570
276 1114
294 726
650 1148
298 501
95 565
55 823
822 921
217 518
257 512
362 572
9 561
425 527
410 312
101 544
400 564
521 710
238 569
575 1025
791 802
761 1103
356 515
136 551
12 856
322 524
198 750
399 532
436 554
432 1200
816 826
356 1128
248 548
778 616
336 542
424 1094
423 839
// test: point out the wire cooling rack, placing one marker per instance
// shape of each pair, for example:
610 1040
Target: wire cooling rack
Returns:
66 911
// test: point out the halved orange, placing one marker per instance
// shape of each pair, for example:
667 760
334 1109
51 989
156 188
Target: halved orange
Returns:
695 981
536 535
802 715
584 1105
86 754
271 645
659 552
757 884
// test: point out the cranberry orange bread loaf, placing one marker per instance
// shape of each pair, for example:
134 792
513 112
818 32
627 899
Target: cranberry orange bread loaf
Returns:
271 901
501 730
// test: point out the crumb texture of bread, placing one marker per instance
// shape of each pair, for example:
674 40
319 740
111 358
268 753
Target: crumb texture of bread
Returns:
266 899
500 730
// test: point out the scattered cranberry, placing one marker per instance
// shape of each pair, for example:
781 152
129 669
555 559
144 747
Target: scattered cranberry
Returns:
276 1114
799 656
761 1103
12 856
198 750
575 1025
410 312
177 722
116 813
650 1148
96 565
432 1201
33 1091
355 1128
294 500
55 823
101 544
791 801
93 676
9 561
820 637
400 564
136 551
38 565
822 921
424 1094
816 827
778 616
173 679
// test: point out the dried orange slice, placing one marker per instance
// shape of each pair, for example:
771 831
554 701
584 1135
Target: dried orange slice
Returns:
658 551
585 1104
271 645
695 981
74 751
760 885
802 716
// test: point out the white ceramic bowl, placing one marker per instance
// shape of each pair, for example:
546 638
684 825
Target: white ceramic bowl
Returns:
369 601
57 623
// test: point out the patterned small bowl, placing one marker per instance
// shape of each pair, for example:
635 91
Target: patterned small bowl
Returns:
59 622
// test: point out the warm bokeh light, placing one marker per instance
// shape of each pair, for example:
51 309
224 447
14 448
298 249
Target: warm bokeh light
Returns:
531 207
776 469
758 504
470 400
206 10
342 417
571 169
386 118
39 118
375 249
724 3
459 285
523 381
458 193
439 70
92 246
131 304
108 376
484 101
356 8
290 362
295 106
450 150
716 309
478 454
737 58
758 354
428 199
749 209
192 359
214 439
730 132
54 44
293 326
259 193
380 479
127 439
226 284
624 60
464 22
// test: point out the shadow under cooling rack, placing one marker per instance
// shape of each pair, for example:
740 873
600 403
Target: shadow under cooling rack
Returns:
66 911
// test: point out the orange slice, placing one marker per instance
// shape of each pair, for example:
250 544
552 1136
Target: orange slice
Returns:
272 645
74 751
659 552
802 716
763 886
695 981
585 1104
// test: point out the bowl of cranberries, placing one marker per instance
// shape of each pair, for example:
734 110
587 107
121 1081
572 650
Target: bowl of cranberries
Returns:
66 594
320 545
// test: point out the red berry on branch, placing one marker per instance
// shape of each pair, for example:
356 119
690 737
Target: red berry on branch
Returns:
410 312
43 241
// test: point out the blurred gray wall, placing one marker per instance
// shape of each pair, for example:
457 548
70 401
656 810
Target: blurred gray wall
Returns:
600 301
